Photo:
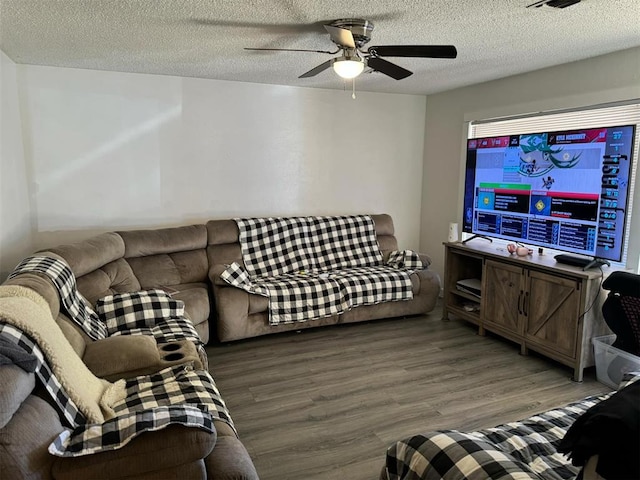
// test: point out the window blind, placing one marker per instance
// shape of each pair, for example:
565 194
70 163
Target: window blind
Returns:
544 122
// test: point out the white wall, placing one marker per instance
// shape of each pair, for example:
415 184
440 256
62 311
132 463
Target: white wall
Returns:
108 150
89 151
15 214
609 78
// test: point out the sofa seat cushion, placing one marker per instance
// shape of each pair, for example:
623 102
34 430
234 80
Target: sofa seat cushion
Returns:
260 304
195 296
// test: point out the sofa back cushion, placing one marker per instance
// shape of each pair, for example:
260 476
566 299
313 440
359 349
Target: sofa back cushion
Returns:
170 268
167 256
88 255
223 243
385 233
114 277
98 266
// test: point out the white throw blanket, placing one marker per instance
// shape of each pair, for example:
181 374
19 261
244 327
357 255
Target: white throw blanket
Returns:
29 312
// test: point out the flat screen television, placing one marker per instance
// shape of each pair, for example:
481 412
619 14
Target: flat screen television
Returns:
564 190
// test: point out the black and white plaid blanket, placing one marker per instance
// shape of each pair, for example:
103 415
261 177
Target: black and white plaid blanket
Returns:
309 295
314 267
77 308
514 451
275 246
176 395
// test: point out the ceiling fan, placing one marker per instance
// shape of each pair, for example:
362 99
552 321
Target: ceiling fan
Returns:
350 35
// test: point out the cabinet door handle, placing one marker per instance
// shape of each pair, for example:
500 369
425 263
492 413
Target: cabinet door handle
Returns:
519 300
525 304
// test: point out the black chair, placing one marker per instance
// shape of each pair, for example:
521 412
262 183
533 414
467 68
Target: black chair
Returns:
621 310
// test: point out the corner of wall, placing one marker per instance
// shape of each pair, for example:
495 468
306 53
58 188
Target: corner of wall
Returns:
15 211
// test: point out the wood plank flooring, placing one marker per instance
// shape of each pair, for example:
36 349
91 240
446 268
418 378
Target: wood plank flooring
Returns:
325 403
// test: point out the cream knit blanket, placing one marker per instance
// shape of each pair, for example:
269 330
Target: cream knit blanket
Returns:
29 312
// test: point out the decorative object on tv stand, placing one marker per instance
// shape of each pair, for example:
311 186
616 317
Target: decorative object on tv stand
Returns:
453 232
519 249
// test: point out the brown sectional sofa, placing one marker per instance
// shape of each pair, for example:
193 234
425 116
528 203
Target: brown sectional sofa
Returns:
187 261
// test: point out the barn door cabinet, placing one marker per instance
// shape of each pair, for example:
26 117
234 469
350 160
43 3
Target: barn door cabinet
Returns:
543 306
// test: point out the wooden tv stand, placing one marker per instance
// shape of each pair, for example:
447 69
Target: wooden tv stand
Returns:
550 308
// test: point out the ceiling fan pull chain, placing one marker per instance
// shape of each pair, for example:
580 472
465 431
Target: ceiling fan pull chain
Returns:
353 88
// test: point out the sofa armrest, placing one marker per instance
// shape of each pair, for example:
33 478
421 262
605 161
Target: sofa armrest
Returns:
214 275
150 452
113 357
425 259
127 356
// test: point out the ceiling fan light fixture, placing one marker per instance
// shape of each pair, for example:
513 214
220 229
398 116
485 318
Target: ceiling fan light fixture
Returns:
348 68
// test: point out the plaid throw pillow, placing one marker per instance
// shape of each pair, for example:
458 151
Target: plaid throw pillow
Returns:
125 311
405 259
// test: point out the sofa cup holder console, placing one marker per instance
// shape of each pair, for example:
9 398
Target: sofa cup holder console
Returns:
176 353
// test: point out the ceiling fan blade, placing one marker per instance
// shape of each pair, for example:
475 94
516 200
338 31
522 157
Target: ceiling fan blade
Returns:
290 50
388 68
341 36
275 28
423 51
320 68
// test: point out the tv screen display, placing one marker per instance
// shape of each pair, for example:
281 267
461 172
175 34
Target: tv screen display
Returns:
565 190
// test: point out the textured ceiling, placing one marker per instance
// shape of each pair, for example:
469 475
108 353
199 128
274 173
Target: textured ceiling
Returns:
206 38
